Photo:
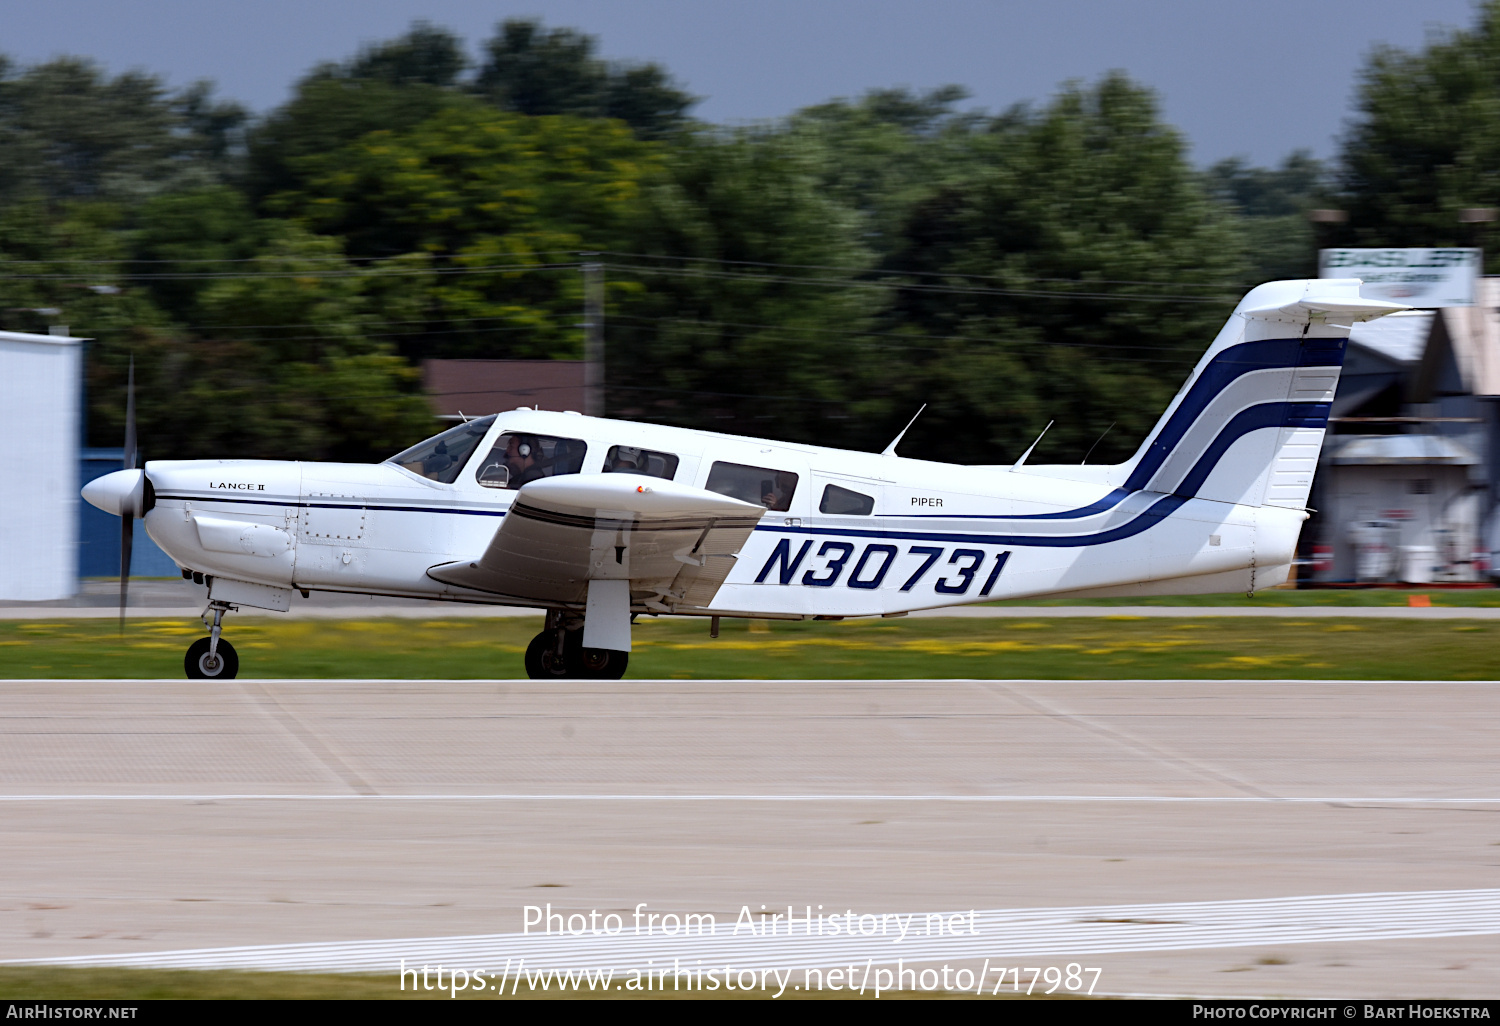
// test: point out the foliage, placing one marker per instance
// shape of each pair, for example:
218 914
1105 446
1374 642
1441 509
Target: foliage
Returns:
68 132
716 326
279 365
425 55
1072 273
331 110
815 278
1425 142
491 201
535 71
1272 204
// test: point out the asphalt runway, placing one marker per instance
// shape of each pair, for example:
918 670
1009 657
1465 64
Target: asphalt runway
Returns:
1212 838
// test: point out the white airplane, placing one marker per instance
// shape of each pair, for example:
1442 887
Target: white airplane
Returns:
600 521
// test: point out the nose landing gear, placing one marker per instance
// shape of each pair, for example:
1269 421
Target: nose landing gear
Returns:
558 653
212 658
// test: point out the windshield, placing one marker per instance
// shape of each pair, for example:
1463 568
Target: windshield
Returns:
441 457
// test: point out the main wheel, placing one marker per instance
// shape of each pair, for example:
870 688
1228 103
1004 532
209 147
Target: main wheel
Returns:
200 667
601 664
542 662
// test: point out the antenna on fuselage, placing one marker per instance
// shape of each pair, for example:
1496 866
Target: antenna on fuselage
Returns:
1097 441
890 450
462 417
1027 453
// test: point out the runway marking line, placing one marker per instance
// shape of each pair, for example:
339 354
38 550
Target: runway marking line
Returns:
997 934
994 798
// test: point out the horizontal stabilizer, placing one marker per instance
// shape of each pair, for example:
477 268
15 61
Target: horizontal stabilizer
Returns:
1299 302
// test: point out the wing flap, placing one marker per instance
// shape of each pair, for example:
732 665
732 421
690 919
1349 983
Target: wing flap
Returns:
675 544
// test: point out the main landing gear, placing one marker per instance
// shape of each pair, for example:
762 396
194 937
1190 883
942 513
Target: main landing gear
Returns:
558 653
212 658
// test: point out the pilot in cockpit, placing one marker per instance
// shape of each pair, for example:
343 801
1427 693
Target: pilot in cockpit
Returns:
777 494
622 461
523 458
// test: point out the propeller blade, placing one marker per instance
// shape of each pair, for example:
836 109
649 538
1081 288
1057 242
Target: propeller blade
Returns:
127 517
127 529
130 418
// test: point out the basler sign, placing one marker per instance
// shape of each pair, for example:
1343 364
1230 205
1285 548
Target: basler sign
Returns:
1417 277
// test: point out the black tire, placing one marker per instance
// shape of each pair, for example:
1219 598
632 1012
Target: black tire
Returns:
541 658
601 663
196 661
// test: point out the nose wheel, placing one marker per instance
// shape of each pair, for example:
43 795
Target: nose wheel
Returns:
212 658
203 664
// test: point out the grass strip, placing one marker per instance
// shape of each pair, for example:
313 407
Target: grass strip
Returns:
1109 647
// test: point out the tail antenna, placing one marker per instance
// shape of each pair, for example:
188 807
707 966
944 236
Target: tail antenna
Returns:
1096 443
1020 462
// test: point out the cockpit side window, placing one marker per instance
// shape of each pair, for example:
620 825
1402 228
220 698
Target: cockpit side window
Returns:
518 459
625 459
846 502
772 489
442 457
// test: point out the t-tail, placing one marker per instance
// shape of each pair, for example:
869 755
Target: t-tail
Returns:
1249 424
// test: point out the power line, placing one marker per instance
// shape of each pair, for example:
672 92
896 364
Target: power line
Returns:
247 260
682 272
376 272
924 274
681 322
116 261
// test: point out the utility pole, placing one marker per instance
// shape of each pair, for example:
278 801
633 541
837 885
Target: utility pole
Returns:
593 338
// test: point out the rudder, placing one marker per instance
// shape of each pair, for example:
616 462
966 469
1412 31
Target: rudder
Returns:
1249 425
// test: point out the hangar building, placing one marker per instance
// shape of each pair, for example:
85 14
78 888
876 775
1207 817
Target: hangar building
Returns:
40 382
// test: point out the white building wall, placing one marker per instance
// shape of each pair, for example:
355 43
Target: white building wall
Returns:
39 426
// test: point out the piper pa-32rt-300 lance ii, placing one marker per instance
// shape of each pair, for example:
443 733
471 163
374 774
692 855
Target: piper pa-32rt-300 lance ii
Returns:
600 521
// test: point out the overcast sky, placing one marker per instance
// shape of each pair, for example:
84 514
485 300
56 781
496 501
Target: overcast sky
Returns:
1257 79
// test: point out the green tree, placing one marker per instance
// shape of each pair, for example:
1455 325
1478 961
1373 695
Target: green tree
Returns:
426 55
1075 276
282 365
185 240
1425 142
1272 205
743 318
888 151
490 203
386 88
68 131
537 71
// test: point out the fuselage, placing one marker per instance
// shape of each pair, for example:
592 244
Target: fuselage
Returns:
847 534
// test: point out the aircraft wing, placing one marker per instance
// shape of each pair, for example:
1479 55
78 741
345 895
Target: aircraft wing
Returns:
675 544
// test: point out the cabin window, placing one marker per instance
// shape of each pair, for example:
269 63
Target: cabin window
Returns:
443 456
846 502
519 458
625 459
769 488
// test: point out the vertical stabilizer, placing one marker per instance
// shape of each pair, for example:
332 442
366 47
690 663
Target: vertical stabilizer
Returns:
1249 424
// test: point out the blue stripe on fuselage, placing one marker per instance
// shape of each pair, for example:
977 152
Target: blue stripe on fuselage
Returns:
1222 371
1146 519
1265 415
